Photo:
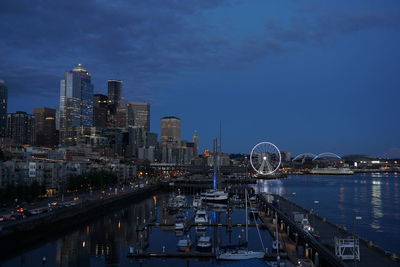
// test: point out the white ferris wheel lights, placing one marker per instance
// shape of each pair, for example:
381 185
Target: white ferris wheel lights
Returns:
265 158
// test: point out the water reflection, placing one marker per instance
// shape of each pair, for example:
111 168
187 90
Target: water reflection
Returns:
103 239
341 195
376 203
270 186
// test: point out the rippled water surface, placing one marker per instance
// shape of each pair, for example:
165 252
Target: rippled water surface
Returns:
106 240
373 197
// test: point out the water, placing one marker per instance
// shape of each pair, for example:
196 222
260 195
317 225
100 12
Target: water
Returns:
106 240
373 197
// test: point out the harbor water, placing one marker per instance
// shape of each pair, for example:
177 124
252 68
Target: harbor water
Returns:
368 204
107 239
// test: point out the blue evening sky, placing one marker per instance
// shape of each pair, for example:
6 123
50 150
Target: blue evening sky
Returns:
309 76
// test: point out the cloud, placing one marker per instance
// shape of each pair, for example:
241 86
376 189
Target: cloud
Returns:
143 40
146 42
314 25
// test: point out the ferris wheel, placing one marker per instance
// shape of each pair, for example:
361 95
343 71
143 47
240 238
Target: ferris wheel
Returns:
265 158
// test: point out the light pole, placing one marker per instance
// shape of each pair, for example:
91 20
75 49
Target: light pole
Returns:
354 239
316 202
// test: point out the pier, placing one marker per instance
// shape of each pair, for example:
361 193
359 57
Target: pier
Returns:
321 248
189 254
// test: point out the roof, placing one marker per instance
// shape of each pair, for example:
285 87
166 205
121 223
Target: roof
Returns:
170 117
80 68
244 263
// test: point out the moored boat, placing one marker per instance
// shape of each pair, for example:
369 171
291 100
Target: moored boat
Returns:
201 218
184 243
204 243
214 195
239 254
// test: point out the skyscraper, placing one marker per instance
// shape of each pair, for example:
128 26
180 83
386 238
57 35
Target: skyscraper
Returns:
195 145
20 127
100 110
3 108
45 127
141 115
171 129
114 94
76 105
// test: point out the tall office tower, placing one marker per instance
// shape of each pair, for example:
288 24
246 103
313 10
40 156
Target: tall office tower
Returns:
100 110
195 145
141 115
171 129
123 116
114 94
45 127
20 128
76 105
3 108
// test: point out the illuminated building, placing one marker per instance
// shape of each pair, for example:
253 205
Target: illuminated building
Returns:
100 110
3 108
123 117
76 105
20 128
114 94
171 129
45 127
141 114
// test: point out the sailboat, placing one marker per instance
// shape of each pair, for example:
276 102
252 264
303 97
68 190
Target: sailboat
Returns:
215 195
240 253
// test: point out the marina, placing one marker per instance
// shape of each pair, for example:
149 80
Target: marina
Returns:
287 230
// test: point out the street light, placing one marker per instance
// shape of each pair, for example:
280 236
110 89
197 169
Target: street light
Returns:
354 239
315 202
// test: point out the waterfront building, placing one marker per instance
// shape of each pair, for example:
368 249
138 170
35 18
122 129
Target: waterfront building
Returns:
286 156
114 94
20 128
141 114
186 152
76 105
100 110
171 129
45 127
3 108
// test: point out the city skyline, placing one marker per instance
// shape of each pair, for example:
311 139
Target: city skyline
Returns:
309 77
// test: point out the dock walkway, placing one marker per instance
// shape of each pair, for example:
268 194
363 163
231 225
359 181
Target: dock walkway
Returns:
370 255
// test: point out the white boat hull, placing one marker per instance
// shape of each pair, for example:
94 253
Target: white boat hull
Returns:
241 255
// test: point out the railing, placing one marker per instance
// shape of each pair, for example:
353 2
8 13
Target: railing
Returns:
323 252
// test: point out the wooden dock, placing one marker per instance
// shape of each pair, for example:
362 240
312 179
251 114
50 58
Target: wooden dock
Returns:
189 254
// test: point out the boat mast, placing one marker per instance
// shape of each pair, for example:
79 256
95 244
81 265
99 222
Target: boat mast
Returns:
219 148
215 163
277 237
245 200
